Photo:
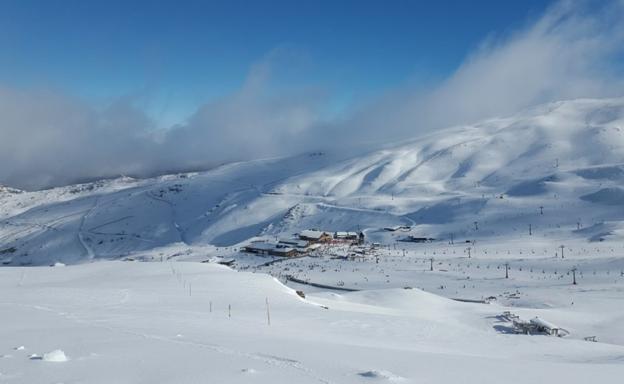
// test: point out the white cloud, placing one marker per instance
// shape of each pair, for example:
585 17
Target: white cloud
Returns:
568 53
256 121
49 139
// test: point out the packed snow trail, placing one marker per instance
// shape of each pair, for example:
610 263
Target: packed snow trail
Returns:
90 253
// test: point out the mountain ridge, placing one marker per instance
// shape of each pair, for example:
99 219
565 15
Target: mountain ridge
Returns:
563 156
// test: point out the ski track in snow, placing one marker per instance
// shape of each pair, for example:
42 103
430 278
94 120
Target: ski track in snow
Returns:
180 230
90 253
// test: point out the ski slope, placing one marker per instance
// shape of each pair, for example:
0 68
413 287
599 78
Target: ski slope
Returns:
518 207
558 168
169 323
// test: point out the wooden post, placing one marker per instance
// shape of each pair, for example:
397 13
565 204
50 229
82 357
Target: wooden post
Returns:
229 311
506 270
562 247
468 252
268 312
211 307
431 267
574 276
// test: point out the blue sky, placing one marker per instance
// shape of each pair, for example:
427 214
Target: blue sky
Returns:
94 89
172 56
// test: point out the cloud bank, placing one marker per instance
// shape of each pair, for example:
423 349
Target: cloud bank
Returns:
48 138
572 51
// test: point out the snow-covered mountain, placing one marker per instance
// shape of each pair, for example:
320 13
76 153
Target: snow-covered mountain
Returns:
558 168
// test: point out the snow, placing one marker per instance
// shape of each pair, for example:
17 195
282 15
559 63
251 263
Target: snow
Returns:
381 375
506 193
312 234
55 356
129 322
563 159
608 196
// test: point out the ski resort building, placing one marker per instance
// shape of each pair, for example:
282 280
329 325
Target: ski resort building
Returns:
315 236
263 248
300 245
536 325
352 237
416 239
260 248
283 251
546 327
346 235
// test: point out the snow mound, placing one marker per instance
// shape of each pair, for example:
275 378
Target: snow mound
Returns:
532 187
56 356
381 375
614 172
608 196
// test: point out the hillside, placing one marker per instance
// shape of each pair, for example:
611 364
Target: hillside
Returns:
113 322
526 214
558 168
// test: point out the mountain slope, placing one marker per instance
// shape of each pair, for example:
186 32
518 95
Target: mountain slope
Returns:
557 167
126 323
